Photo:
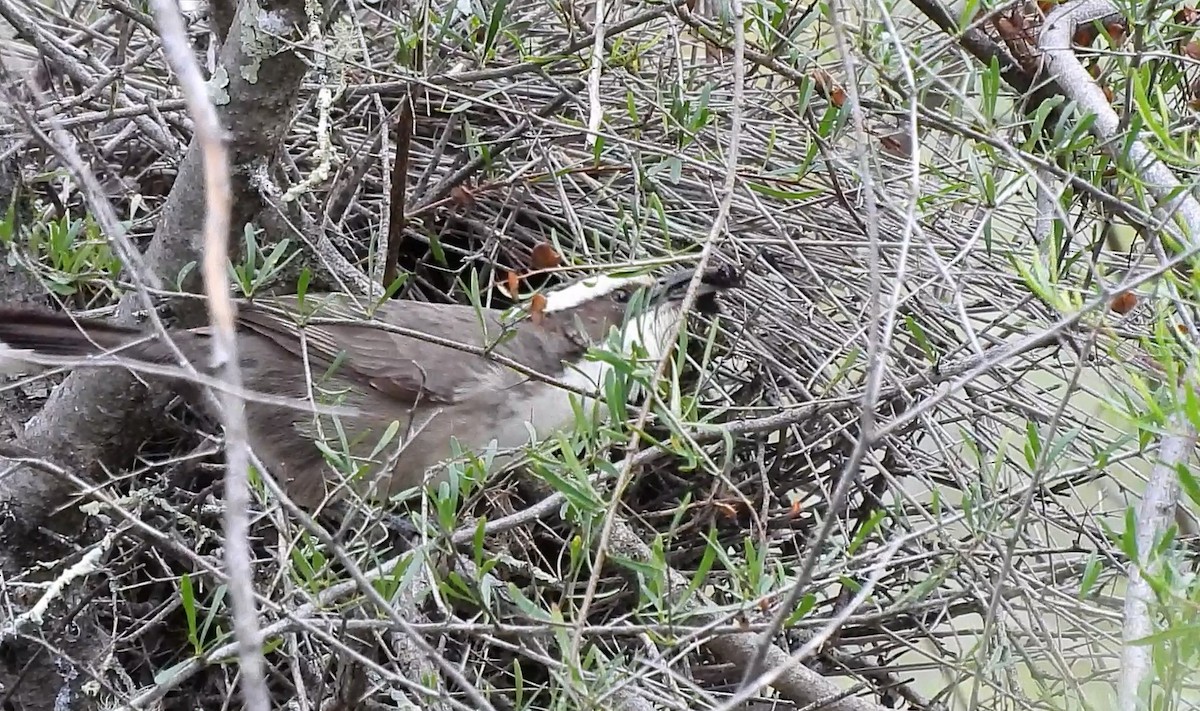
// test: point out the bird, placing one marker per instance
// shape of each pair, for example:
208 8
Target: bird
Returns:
389 385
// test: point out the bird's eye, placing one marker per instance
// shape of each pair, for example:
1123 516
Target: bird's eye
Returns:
621 295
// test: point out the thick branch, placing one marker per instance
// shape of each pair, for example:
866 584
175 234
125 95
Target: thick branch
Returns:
98 417
1157 506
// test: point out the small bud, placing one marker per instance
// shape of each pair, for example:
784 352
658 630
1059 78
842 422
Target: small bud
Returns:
1116 32
537 307
462 195
1084 36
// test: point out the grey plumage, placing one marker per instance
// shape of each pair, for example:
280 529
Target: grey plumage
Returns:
367 362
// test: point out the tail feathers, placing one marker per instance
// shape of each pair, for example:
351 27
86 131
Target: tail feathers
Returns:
28 336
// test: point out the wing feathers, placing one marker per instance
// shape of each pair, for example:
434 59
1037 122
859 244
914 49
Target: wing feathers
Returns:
371 356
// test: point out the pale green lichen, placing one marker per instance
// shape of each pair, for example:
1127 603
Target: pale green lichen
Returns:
260 31
218 86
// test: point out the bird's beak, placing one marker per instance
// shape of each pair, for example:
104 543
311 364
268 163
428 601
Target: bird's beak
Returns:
673 287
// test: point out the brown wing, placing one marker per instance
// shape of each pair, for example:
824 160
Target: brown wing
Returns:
399 366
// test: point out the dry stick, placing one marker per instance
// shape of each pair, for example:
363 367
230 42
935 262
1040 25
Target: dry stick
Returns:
218 198
927 116
229 651
748 690
298 619
795 682
369 591
50 47
730 184
7 129
1018 527
399 191
1158 502
93 193
595 106
502 144
800 681
144 280
876 350
317 239
972 368
113 359
564 54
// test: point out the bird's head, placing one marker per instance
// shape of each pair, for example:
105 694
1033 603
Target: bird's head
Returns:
644 308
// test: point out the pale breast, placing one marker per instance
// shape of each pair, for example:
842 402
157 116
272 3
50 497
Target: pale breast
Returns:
547 407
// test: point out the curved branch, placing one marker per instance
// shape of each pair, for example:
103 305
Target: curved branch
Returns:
1157 506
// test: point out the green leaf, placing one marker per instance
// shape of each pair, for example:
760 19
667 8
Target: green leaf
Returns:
1146 112
1191 404
579 493
1033 444
806 604
990 88
493 28
1173 633
1188 482
302 285
919 336
847 362
389 434
526 605
781 194
705 565
1091 573
1128 538
867 529
165 676
1060 445
187 597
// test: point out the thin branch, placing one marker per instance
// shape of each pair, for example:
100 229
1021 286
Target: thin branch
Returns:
218 198
718 227
1156 508
781 667
595 106
399 189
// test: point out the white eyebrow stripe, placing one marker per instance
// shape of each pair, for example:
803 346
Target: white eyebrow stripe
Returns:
586 290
